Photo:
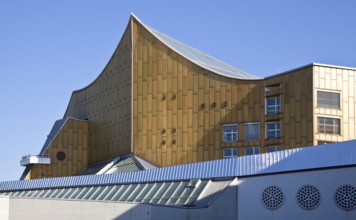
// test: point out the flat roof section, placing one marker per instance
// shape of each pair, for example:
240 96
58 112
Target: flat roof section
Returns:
316 157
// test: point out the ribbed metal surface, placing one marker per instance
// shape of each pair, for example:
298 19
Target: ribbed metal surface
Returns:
199 57
94 168
329 155
211 192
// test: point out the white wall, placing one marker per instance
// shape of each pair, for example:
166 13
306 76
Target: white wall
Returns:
43 209
4 208
327 181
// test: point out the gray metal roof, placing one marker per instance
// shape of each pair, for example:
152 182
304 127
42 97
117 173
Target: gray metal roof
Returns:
127 163
323 156
198 57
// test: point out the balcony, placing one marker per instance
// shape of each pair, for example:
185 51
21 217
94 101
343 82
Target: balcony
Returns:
35 159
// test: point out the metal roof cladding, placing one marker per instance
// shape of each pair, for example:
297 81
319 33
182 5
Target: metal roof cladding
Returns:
198 57
316 157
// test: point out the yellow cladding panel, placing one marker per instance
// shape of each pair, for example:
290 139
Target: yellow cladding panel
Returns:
66 141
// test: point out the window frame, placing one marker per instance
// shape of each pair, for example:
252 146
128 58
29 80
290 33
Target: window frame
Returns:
322 142
276 130
259 130
276 148
232 151
328 117
231 132
276 110
325 105
254 150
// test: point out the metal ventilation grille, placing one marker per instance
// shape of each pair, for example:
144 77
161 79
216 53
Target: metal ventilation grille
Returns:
272 197
345 197
308 197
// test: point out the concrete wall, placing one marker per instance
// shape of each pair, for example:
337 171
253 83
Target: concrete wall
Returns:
327 181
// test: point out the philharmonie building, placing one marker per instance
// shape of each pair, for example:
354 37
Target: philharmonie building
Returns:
168 132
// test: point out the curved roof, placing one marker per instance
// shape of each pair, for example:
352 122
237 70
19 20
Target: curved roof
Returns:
198 57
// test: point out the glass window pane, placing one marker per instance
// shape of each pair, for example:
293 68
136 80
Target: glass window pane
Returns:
252 150
230 133
328 125
230 152
328 99
273 130
273 105
273 148
252 131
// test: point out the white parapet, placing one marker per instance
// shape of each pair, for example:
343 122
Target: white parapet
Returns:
35 159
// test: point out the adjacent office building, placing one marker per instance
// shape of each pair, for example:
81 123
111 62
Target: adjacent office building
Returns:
159 102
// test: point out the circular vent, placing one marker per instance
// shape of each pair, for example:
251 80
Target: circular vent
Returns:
345 197
308 197
272 197
60 155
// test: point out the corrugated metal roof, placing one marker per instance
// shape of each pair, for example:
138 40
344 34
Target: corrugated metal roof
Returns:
198 57
93 169
329 155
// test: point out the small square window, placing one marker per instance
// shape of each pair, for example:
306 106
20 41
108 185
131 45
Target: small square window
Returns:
230 153
252 150
252 131
230 133
328 125
273 105
273 148
273 130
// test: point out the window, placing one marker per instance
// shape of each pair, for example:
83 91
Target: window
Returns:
273 105
273 130
273 148
230 133
252 150
328 125
328 99
324 142
252 131
230 153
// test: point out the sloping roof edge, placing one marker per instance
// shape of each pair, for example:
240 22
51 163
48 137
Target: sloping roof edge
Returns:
199 58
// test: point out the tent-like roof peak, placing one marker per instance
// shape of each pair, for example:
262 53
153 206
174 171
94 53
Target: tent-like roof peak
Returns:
201 59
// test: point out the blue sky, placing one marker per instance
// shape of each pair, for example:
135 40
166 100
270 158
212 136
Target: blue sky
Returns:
50 48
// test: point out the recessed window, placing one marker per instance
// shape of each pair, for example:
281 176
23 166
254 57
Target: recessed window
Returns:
230 153
252 131
273 148
230 133
328 99
252 150
273 105
273 130
328 125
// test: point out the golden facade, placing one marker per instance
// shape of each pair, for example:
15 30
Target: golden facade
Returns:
154 101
